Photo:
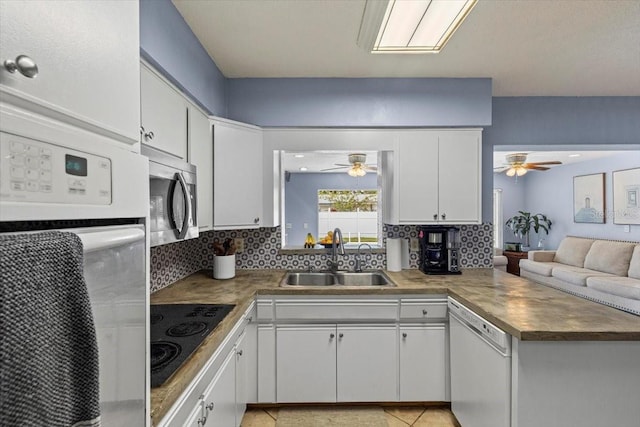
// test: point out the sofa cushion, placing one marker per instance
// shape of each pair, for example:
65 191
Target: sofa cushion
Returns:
542 256
541 268
573 250
634 264
609 257
622 286
576 276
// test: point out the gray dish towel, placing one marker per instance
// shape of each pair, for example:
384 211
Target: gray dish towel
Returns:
48 350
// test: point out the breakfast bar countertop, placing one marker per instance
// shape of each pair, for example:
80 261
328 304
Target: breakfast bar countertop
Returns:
525 310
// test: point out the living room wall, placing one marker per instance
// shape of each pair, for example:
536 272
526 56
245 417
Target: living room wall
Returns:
551 193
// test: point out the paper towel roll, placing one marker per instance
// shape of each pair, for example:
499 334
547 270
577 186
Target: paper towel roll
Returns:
394 254
405 254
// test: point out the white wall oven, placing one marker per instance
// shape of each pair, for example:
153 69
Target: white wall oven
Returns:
57 177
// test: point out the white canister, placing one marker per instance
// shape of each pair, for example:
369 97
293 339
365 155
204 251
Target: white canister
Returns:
224 267
394 254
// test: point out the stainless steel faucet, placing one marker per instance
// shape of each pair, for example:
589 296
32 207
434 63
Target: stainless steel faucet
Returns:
337 245
358 267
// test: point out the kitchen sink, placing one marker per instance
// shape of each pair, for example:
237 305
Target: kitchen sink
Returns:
340 278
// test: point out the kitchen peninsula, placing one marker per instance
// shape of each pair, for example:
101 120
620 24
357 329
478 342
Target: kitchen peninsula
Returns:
541 320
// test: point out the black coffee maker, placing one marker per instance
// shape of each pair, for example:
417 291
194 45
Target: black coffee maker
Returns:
439 249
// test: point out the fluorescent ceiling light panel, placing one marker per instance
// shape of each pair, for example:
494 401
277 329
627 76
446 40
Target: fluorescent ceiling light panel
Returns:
418 26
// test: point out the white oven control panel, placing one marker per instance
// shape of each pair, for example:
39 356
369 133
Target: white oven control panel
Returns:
40 172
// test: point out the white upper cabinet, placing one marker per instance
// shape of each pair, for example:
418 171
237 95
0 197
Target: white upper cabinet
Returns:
164 115
87 58
434 177
237 175
459 176
201 155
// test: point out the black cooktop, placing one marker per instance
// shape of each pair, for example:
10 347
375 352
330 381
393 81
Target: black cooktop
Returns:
176 331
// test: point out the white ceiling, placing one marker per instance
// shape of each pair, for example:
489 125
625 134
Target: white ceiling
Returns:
528 48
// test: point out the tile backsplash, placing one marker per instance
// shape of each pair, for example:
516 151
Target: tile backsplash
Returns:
172 262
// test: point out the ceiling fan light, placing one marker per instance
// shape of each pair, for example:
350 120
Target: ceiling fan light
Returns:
357 171
511 172
520 171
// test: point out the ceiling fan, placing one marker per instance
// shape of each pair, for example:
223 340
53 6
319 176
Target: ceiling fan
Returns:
357 166
517 165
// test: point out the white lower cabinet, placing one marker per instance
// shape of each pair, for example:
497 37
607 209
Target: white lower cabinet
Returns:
352 349
367 361
422 363
219 399
306 363
266 363
343 363
219 394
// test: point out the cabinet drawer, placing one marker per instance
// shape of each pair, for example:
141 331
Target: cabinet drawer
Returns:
337 310
423 309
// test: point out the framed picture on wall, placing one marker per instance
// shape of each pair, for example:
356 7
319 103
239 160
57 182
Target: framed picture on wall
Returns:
588 198
626 196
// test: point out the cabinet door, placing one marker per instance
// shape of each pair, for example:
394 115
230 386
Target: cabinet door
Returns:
460 176
201 155
251 359
220 398
422 363
266 363
306 363
87 54
241 377
367 359
196 417
237 176
417 171
164 115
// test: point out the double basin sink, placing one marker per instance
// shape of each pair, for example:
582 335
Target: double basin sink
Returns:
339 278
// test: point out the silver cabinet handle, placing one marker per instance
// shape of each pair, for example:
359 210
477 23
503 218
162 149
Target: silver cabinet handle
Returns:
340 335
210 406
404 335
444 216
239 352
256 220
435 217
142 130
250 319
424 312
25 65
149 136
332 336
202 421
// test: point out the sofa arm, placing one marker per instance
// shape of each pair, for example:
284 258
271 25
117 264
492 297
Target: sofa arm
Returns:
541 256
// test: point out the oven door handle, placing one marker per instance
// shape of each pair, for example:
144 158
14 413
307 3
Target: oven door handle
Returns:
187 205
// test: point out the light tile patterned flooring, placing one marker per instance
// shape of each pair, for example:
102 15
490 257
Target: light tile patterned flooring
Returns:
396 417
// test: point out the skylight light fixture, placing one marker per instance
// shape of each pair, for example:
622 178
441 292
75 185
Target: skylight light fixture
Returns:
411 26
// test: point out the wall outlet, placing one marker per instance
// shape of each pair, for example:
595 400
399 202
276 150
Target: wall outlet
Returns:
413 244
239 244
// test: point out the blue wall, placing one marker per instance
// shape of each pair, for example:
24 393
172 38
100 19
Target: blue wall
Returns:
530 121
167 42
301 200
551 193
513 199
362 102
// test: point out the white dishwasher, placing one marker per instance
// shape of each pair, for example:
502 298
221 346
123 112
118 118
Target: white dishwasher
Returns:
480 356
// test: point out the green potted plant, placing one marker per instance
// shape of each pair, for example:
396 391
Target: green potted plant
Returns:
522 224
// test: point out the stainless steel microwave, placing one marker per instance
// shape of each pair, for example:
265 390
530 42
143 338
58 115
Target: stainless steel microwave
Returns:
173 198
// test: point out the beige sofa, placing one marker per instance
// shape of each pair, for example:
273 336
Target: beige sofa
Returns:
499 260
604 271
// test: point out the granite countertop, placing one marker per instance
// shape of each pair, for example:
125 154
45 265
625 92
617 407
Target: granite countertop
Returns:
526 310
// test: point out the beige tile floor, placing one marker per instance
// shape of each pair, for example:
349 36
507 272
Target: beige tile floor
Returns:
396 417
